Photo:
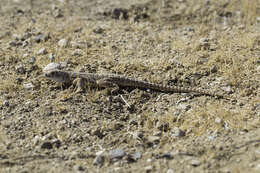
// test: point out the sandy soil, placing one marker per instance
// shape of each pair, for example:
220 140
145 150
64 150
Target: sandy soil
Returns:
213 45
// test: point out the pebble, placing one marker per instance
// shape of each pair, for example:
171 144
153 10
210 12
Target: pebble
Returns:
148 168
257 167
57 13
138 135
20 69
157 133
63 43
190 29
36 140
257 106
176 132
136 155
218 120
170 171
99 160
78 168
227 89
167 156
6 103
32 60
42 51
204 41
98 30
184 106
28 86
153 139
116 154
25 55
12 43
25 43
195 162
258 19
76 52
52 66
214 69
149 160
51 57
46 145
39 38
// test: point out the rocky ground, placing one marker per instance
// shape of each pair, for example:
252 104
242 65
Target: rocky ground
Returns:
213 45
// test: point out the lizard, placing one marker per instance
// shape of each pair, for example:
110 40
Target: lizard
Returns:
81 80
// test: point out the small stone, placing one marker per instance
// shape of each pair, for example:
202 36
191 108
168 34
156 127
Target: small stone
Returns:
28 86
51 66
26 36
32 60
218 120
58 13
6 103
170 171
136 155
176 132
214 69
133 122
116 154
20 69
99 160
241 27
258 19
25 43
157 133
257 106
42 51
25 55
227 89
78 168
189 29
63 43
154 139
138 135
257 167
148 168
184 106
19 80
51 57
76 52
47 145
98 30
12 43
149 160
40 37
167 156
204 41
195 162
36 140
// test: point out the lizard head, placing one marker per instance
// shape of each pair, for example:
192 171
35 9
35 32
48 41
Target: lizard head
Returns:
57 75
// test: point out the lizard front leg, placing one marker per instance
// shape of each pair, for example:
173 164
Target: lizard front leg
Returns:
110 86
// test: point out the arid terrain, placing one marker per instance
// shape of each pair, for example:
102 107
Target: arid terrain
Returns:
205 44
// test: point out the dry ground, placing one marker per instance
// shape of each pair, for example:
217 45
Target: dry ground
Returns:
206 44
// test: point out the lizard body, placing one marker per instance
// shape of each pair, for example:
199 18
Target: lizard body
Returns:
112 80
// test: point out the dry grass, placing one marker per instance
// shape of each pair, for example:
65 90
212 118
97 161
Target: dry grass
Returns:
164 48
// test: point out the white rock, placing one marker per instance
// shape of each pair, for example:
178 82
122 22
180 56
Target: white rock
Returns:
28 86
52 66
63 43
258 19
42 51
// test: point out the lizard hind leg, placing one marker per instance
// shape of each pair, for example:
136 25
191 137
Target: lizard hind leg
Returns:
79 84
111 87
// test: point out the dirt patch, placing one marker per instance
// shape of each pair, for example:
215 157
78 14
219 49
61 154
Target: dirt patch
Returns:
45 127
